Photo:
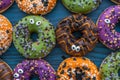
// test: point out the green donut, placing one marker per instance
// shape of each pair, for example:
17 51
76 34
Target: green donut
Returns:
110 67
81 6
25 45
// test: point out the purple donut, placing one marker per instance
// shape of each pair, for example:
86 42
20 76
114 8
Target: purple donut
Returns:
5 4
43 69
106 24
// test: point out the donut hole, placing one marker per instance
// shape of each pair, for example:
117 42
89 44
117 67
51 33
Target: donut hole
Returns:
34 37
78 77
77 34
34 77
117 27
119 72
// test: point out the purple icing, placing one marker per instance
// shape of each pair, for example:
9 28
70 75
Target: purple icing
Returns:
24 70
106 27
5 4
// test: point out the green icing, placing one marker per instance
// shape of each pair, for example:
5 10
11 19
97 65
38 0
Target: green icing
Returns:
24 44
110 67
81 6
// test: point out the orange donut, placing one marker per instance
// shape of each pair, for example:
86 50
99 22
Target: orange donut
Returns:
36 6
77 68
5 34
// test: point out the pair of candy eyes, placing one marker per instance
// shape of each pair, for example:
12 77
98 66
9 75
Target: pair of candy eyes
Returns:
38 23
20 71
75 48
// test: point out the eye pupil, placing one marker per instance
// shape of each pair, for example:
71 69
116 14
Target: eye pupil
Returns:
31 21
20 71
16 75
38 23
107 21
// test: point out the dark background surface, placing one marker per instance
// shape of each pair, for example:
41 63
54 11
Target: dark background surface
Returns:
12 56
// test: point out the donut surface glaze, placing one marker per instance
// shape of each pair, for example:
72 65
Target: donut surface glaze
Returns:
43 69
77 68
5 71
5 4
81 6
25 45
106 27
116 1
5 34
36 6
69 43
110 67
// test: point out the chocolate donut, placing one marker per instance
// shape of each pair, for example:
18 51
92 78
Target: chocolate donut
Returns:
68 42
77 68
110 67
36 6
5 71
43 69
106 27
5 4
116 1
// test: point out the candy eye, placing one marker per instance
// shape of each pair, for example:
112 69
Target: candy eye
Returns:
73 47
16 75
77 49
31 21
20 71
107 20
38 23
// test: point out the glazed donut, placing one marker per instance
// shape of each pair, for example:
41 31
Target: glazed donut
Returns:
68 42
106 24
25 45
43 69
5 34
5 4
36 6
5 71
81 6
77 68
110 67
116 1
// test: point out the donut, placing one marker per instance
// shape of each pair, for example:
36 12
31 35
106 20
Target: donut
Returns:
81 6
77 68
36 6
5 34
71 44
110 67
5 71
25 45
116 1
5 4
43 69
106 24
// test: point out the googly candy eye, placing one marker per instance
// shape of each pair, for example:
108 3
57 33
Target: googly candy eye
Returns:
20 71
73 47
107 21
77 49
38 23
16 75
32 21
